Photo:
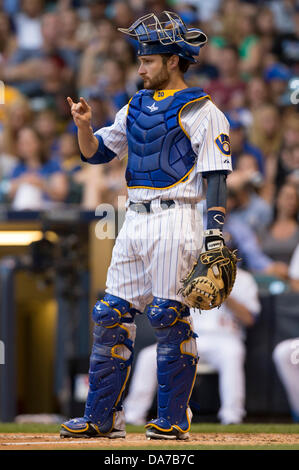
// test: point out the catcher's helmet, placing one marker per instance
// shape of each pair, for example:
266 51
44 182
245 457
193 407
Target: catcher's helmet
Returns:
169 34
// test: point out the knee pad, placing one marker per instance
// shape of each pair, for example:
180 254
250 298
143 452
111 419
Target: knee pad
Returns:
110 360
176 362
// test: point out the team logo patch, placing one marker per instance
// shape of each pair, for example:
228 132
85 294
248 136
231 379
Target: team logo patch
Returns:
223 144
153 108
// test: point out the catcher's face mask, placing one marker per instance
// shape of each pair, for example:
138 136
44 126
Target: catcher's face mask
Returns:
169 34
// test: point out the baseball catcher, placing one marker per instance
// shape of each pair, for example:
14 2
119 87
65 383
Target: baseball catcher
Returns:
173 136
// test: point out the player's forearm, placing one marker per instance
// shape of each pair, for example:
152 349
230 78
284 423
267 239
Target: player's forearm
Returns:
88 143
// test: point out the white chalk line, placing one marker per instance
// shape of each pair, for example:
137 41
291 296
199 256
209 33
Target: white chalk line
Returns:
62 442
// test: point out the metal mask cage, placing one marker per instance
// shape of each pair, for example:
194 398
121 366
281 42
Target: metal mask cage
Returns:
169 30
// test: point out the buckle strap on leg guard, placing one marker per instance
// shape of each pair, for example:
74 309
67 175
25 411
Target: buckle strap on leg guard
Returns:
176 363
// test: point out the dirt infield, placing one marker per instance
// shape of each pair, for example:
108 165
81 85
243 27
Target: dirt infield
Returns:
18 441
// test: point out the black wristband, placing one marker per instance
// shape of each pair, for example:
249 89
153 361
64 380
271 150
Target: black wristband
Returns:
215 219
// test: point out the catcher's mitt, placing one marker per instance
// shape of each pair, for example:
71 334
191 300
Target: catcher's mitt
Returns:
211 279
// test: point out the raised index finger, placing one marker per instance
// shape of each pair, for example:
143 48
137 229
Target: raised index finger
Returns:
70 101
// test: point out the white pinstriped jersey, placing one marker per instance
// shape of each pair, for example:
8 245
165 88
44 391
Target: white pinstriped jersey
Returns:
204 123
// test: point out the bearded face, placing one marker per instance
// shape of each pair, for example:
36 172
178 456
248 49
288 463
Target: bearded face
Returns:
154 72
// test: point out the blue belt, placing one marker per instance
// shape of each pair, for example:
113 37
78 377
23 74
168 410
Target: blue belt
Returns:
145 207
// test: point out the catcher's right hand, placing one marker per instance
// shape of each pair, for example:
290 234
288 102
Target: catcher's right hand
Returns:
81 112
212 277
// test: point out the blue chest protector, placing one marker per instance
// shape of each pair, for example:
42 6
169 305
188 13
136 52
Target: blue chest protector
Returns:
159 151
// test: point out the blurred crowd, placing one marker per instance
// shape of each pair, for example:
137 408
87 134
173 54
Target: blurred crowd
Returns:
250 67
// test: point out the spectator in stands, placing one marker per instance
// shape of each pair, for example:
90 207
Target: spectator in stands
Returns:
257 93
207 9
266 134
111 81
239 235
8 41
69 38
47 126
91 185
291 130
286 47
248 41
266 131
102 184
94 13
188 12
28 24
27 64
203 73
228 89
224 24
69 153
17 115
122 14
70 161
95 53
123 52
55 76
266 31
245 182
155 5
240 143
284 11
220 343
113 183
36 182
277 77
236 25
7 164
256 96
281 237
288 166
291 166
288 163
9 96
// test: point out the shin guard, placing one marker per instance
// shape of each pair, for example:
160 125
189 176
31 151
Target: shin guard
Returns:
110 361
176 364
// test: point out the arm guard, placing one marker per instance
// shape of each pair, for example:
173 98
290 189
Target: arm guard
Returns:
216 193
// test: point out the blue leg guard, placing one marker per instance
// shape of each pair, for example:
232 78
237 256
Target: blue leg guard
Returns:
176 364
110 365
